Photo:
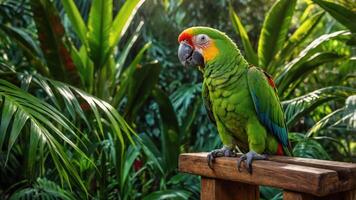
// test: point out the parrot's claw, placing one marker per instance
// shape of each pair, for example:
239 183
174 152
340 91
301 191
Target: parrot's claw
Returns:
249 157
223 152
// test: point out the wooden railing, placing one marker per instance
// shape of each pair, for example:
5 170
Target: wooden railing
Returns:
300 178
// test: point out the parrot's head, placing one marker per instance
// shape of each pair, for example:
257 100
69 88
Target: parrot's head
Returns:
200 46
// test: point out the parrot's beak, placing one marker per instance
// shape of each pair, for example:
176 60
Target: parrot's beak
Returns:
188 56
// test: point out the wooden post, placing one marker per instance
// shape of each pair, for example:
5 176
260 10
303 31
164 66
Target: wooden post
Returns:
217 189
300 178
289 195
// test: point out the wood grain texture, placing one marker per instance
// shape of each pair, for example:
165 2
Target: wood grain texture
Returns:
348 195
289 174
217 189
289 195
346 171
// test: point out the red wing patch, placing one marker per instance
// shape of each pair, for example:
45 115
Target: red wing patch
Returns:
270 80
279 151
271 83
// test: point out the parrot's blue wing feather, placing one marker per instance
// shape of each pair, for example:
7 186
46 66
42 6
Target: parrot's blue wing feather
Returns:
267 105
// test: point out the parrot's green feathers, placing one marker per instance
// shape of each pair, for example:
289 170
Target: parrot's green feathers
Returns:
267 105
241 100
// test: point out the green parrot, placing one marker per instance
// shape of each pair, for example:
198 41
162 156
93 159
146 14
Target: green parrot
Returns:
240 99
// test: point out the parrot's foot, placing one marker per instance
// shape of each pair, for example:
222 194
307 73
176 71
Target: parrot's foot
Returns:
249 157
223 152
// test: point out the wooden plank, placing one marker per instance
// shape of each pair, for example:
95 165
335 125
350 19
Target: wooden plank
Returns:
217 189
292 177
346 171
348 195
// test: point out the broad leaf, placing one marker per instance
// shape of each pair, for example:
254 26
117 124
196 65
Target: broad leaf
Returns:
126 77
76 20
251 55
99 27
344 15
140 86
125 52
170 130
296 40
123 20
274 31
293 77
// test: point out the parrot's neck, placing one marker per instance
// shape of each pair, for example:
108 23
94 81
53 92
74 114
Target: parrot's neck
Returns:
229 62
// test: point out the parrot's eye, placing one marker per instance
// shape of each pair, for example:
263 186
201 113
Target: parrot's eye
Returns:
202 39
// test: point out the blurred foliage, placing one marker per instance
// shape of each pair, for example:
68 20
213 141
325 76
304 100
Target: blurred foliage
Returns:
94 103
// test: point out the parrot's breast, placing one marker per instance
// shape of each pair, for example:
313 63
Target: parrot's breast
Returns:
232 105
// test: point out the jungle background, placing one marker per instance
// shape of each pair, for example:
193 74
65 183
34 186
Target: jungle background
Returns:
94 103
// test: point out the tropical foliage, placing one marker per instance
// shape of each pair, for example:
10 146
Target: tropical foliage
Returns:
95 105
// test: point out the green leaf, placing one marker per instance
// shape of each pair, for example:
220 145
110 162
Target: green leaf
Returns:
274 31
18 123
99 27
343 118
170 130
76 20
126 77
6 116
152 152
140 86
110 115
271 193
131 155
123 20
310 148
168 194
304 55
35 140
251 55
42 189
53 128
297 107
123 55
296 39
28 45
292 77
340 13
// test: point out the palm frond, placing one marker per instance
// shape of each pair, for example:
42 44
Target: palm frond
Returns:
78 102
341 119
42 189
47 125
297 107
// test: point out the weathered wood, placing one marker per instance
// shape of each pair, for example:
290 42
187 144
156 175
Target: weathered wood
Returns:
313 179
346 171
216 189
348 195
289 195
